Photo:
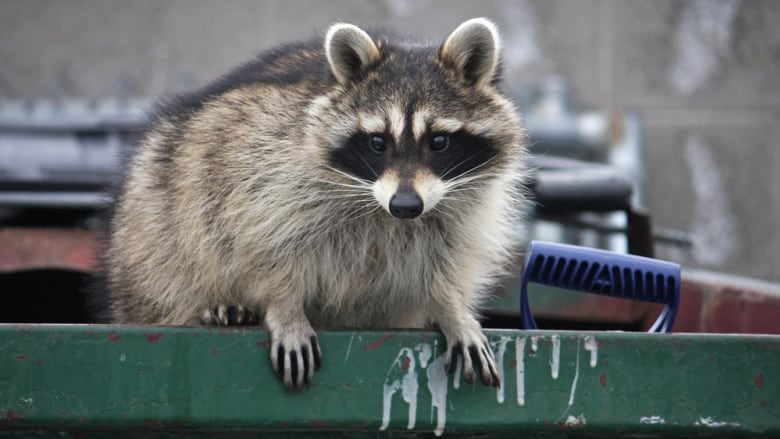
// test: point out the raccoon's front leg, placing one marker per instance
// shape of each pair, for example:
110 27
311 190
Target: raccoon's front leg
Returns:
465 338
295 350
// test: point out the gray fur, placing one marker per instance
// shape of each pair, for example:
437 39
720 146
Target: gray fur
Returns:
236 197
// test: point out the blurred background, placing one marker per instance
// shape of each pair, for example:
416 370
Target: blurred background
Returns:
682 96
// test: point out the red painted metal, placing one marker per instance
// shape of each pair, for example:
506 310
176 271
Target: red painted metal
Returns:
23 248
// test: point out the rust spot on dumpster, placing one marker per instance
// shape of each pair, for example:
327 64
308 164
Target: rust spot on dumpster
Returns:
603 379
21 357
405 363
318 424
113 337
153 337
152 422
262 344
370 346
513 364
572 422
759 380
763 403
11 416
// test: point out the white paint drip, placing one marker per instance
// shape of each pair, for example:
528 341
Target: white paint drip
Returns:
500 366
701 41
388 390
652 420
437 385
520 369
578 421
349 348
713 230
576 376
593 346
534 345
408 385
409 388
458 370
709 422
424 354
555 355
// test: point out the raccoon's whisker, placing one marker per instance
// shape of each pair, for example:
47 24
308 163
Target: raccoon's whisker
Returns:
351 177
349 186
346 192
376 207
355 212
367 164
452 167
455 183
358 213
353 198
459 199
439 209
462 174
360 181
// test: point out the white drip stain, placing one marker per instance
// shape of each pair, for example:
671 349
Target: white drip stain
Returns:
500 366
593 346
424 354
572 421
409 388
534 345
555 355
520 369
652 420
349 348
388 390
407 384
437 385
576 376
709 422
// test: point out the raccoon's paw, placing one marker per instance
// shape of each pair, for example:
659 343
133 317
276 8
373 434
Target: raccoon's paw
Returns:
233 315
295 355
475 350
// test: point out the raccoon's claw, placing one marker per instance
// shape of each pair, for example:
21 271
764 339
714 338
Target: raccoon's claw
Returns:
474 352
295 358
234 315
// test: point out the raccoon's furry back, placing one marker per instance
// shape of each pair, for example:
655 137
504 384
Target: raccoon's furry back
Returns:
250 189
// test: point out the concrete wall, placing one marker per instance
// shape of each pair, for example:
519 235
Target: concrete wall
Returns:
704 75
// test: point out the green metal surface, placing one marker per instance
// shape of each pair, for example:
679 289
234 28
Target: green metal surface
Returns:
107 380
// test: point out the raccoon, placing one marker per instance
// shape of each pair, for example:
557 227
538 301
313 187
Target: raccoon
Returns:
356 181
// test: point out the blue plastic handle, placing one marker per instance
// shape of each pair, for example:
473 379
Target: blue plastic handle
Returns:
601 272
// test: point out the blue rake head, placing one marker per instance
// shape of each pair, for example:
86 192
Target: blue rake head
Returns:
601 272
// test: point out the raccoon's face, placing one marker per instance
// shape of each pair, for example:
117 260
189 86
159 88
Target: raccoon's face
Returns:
419 126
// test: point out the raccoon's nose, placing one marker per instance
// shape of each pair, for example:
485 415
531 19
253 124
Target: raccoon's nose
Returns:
406 205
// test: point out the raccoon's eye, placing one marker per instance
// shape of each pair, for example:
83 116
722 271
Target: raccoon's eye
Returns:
377 144
440 142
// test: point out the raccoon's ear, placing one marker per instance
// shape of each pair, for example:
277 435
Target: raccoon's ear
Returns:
349 50
473 49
